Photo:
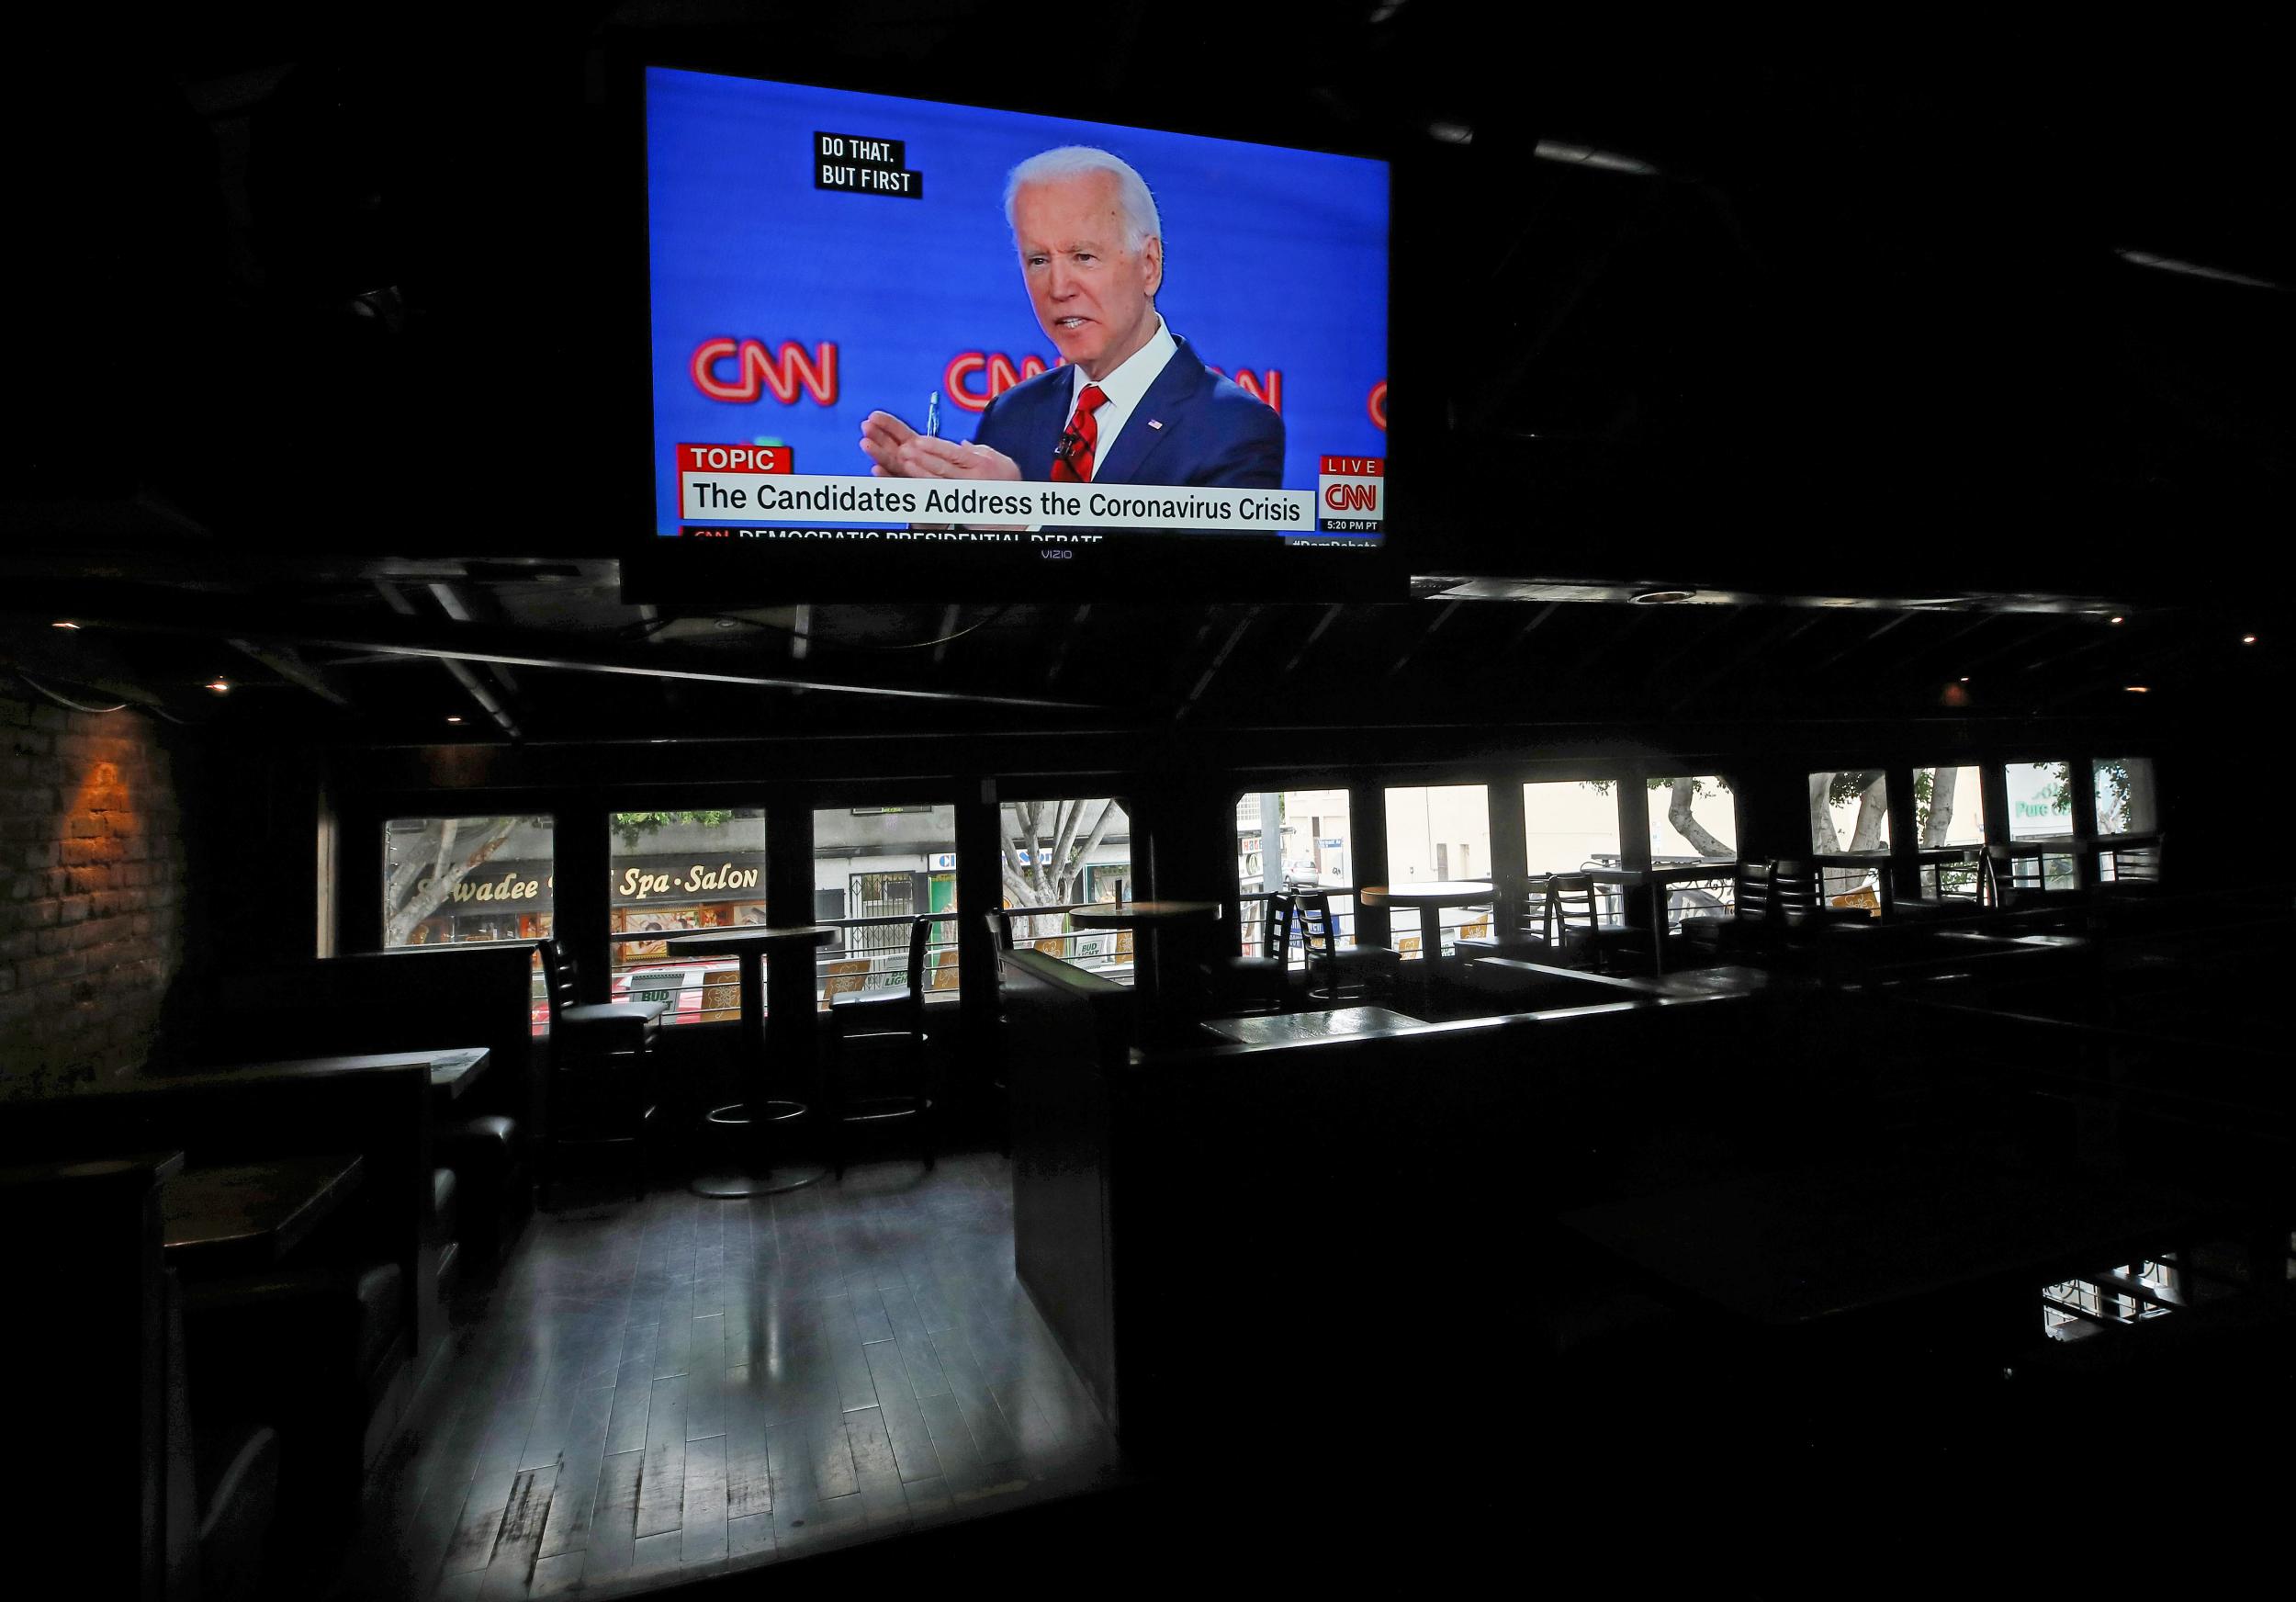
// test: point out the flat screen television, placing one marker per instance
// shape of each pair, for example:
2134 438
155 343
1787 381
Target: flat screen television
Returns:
873 321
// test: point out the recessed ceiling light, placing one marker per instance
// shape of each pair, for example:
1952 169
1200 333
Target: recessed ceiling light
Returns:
1661 597
2138 689
1965 678
2244 639
2120 620
67 622
454 717
220 685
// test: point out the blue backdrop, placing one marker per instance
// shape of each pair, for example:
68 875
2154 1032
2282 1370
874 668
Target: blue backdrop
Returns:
1274 259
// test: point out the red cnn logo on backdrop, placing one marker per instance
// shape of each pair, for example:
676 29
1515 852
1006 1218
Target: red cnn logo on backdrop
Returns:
755 371
1268 390
1001 376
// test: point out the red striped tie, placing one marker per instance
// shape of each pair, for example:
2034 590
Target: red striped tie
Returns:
1072 459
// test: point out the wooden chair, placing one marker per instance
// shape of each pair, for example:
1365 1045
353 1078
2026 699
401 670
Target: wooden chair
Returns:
1747 924
1795 900
2136 869
1521 931
601 1053
889 1024
999 1081
1798 909
1946 905
1580 935
1336 972
1261 982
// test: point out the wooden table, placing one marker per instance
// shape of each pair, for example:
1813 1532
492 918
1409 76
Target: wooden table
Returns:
1657 881
1149 919
1431 898
452 1070
1273 1029
754 1174
249 1215
1794 1249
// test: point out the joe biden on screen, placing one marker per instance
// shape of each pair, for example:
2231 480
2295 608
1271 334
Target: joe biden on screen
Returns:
1132 405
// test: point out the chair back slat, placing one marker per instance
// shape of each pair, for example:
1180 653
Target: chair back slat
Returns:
1530 908
1312 914
1276 931
1795 898
1751 891
558 977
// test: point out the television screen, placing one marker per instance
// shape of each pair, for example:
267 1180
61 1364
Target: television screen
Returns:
907 347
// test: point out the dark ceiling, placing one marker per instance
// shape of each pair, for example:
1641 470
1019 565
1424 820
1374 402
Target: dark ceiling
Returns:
1898 357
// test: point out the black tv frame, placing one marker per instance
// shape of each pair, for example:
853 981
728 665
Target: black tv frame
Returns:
1138 568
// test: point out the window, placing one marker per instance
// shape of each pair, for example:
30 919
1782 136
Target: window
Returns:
1568 825
1314 850
1693 818
673 871
1949 813
449 880
2041 809
2040 800
1849 814
1437 832
1948 807
2125 800
1062 853
873 869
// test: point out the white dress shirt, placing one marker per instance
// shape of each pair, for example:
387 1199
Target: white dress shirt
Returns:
1124 389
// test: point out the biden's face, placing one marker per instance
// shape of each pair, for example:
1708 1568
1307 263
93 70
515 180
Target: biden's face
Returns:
1093 292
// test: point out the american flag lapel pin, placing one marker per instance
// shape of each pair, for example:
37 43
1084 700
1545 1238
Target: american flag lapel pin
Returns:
1153 424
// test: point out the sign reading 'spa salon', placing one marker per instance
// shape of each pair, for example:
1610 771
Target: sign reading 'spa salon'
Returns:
659 881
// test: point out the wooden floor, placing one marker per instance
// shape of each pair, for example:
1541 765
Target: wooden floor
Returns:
662 1390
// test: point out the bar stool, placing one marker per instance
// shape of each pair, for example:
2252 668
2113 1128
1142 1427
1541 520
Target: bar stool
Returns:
895 1020
600 1093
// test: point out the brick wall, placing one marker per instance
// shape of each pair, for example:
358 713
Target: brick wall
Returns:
92 882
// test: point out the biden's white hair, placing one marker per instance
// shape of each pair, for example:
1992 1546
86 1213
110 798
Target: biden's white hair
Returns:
1076 160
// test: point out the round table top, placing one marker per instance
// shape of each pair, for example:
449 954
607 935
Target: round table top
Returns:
1124 916
743 937
1435 893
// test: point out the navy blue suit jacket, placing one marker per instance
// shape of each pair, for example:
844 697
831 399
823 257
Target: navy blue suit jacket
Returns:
1191 428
